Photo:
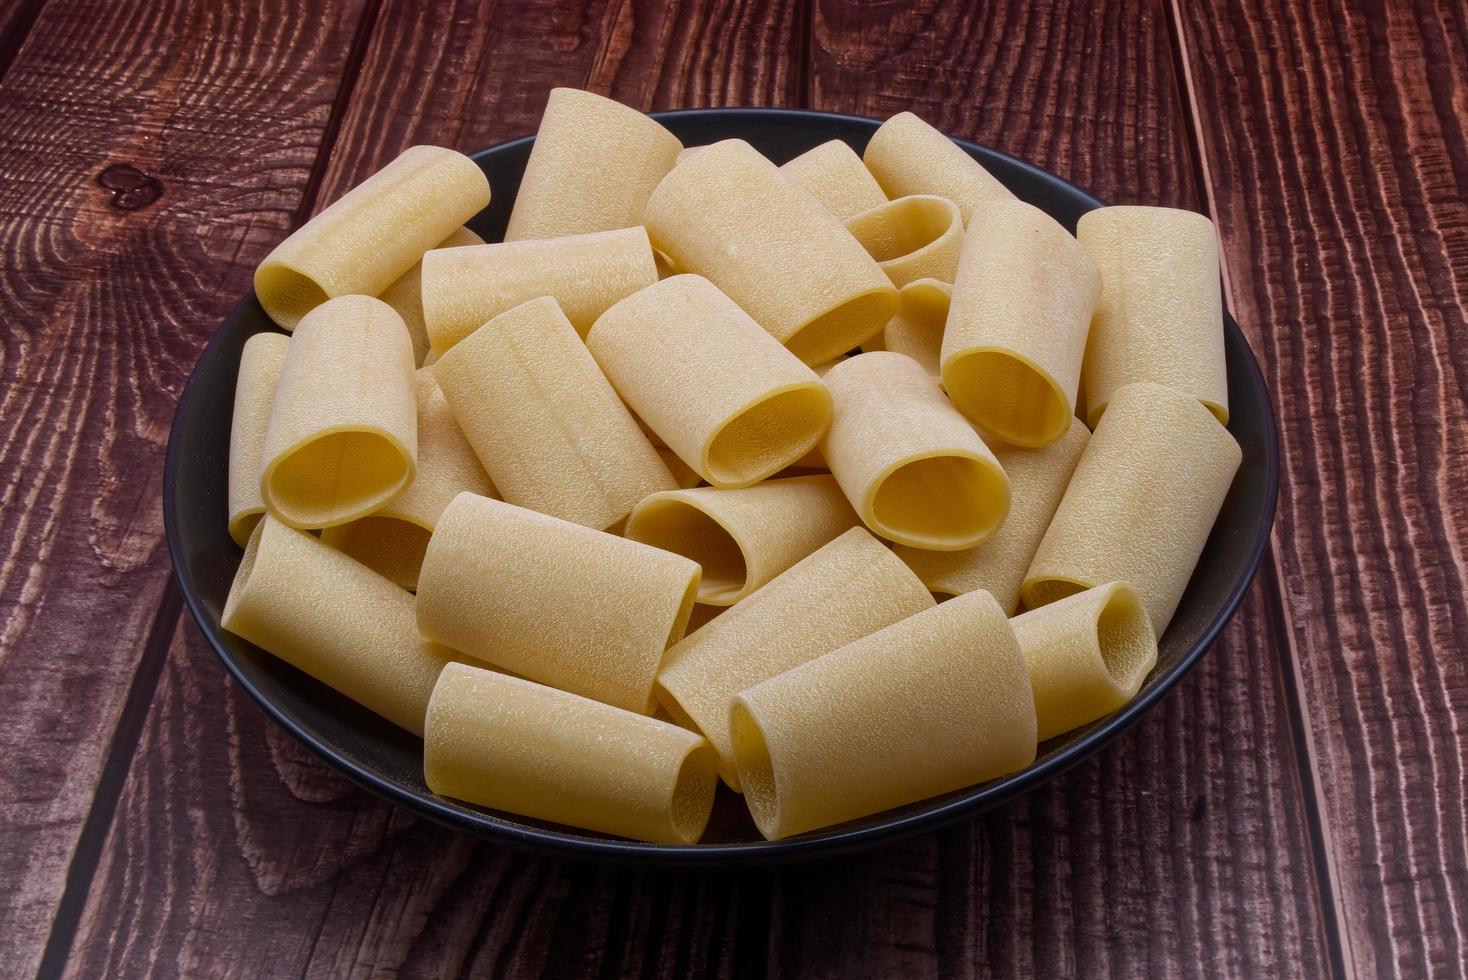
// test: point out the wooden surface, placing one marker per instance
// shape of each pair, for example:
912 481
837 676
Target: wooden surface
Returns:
1295 808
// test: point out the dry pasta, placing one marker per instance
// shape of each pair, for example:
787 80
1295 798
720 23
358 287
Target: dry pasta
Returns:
512 745
406 294
907 156
913 468
722 393
813 460
1016 332
841 592
936 702
378 231
730 215
917 328
1161 312
1141 503
336 620
743 538
558 603
1087 655
836 177
544 421
343 433
254 393
913 237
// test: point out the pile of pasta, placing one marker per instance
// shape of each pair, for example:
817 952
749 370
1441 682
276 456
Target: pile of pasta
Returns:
665 488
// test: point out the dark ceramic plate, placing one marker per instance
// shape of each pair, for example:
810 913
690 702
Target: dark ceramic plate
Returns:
387 760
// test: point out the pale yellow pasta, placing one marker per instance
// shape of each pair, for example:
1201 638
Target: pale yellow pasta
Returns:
391 540
835 175
463 288
562 604
378 231
406 294
1037 481
343 433
1087 655
684 475
512 745
914 469
730 215
722 393
1140 504
813 460
544 421
592 167
907 156
841 592
1016 331
917 328
743 538
928 705
913 237
254 393
1161 312
334 619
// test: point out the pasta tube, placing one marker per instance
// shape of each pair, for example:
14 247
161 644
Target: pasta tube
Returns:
592 168
463 288
336 620
1016 333
913 468
254 393
813 460
836 177
743 538
729 214
544 421
917 329
373 235
406 294
913 237
1161 312
936 702
1087 655
511 745
841 592
722 393
392 539
562 604
1037 481
343 433
1141 503
907 156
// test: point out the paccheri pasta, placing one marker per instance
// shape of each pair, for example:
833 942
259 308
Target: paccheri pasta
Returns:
607 642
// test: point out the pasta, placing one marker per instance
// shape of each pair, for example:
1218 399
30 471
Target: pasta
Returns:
756 409
743 538
392 539
544 421
917 328
463 288
555 602
406 295
936 702
907 156
1016 332
729 214
913 237
592 167
684 475
343 433
844 590
836 177
508 744
916 472
377 232
1161 312
254 393
1037 481
1087 655
1141 503
336 620
813 460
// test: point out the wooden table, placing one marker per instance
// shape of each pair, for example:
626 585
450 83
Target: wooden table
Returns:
1296 808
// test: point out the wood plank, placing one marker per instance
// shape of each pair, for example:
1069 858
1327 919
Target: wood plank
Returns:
104 305
1334 134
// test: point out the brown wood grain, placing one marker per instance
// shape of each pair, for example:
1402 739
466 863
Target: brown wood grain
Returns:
103 309
1335 134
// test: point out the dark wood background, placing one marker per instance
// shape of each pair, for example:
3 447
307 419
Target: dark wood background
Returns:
1296 808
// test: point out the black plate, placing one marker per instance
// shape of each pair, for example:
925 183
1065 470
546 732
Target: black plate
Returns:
387 760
